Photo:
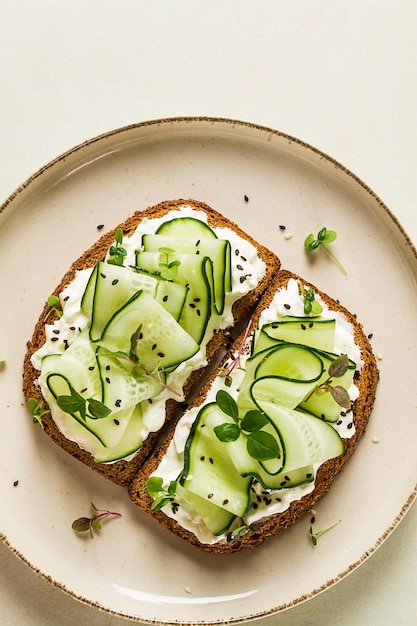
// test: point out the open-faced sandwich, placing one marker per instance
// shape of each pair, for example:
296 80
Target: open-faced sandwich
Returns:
133 325
269 432
131 331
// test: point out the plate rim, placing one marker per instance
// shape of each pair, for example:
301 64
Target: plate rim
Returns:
230 124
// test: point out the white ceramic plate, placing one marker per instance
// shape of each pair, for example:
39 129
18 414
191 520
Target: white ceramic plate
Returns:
135 568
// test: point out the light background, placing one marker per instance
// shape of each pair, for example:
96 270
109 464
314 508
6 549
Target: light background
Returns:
340 75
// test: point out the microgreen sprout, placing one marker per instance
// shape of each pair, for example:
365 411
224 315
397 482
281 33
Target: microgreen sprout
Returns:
37 410
239 532
170 268
90 524
55 307
339 394
86 407
260 445
314 535
324 238
138 370
161 495
117 253
309 301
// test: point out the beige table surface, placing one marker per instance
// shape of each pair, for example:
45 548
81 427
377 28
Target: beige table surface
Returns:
340 75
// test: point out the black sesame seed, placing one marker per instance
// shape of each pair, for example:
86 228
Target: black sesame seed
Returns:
202 458
192 305
102 275
100 226
237 252
210 495
211 461
198 312
107 380
281 227
287 306
54 338
154 346
72 327
115 281
107 367
91 368
370 335
16 482
255 505
303 326
161 355
243 258
118 403
311 324
246 198
56 331
225 501
267 501
197 243
83 390
197 299
284 482
116 422
350 425
165 298
239 267
313 519
309 475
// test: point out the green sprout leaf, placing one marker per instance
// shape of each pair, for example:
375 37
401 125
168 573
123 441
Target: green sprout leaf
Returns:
170 268
253 420
323 239
227 432
90 524
160 495
117 253
262 446
311 306
36 409
55 304
86 407
97 409
227 404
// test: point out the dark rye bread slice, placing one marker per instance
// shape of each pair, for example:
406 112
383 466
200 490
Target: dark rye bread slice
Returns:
366 381
122 472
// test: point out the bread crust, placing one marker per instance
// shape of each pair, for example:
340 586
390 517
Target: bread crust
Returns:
366 381
122 472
